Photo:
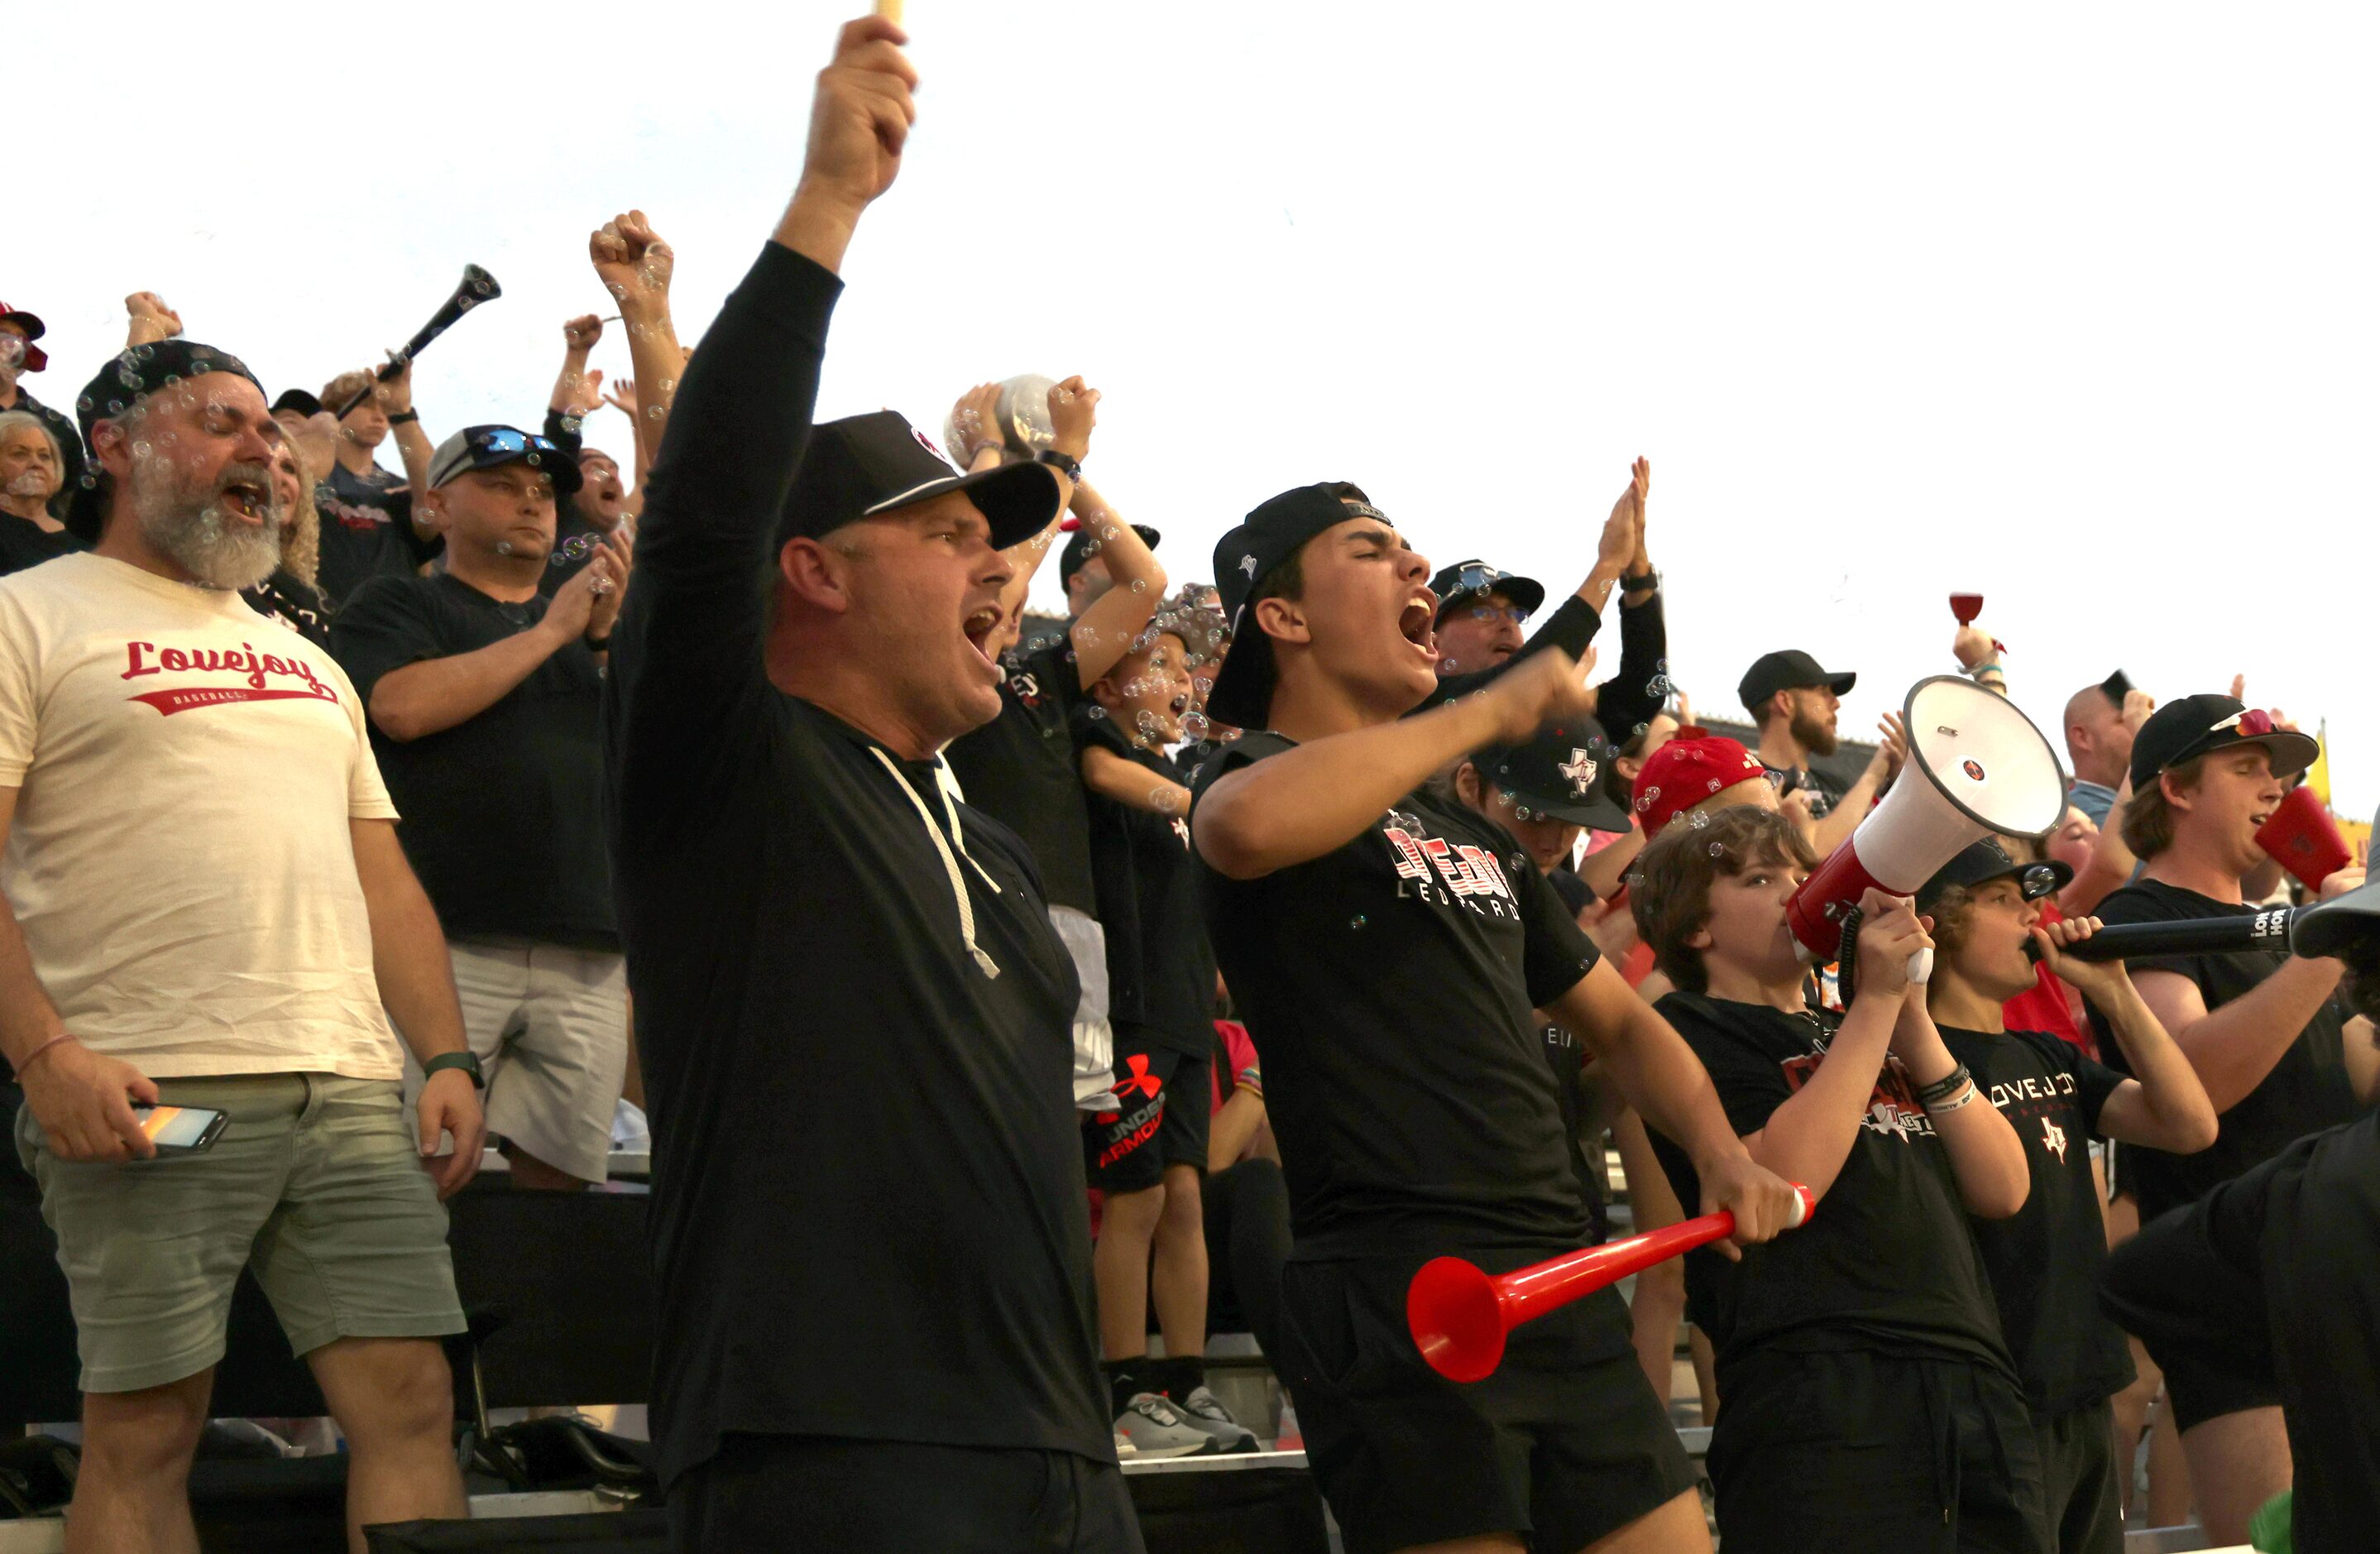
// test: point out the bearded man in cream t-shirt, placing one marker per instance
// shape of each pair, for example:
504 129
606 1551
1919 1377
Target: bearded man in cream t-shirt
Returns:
206 905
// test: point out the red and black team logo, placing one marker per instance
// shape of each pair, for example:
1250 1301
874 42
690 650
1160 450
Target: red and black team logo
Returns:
1131 1126
1972 768
1448 872
1892 1105
253 676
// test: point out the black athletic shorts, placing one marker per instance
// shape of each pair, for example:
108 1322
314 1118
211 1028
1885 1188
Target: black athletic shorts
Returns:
1563 1444
2201 1318
2078 1474
1851 1450
800 1493
1167 1099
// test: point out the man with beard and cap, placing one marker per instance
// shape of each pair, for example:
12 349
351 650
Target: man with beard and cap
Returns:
2265 1031
1792 702
206 906
870 1242
1387 956
18 356
1477 627
486 706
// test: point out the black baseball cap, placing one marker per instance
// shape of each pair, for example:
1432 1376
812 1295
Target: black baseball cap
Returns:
1083 545
129 377
491 447
298 400
1559 773
1275 531
863 465
1787 670
2199 725
1468 579
1980 862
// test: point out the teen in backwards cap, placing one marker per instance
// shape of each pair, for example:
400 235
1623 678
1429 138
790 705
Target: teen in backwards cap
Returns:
1386 946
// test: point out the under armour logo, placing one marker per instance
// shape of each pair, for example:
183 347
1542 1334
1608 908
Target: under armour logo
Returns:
1248 566
2054 1137
1579 770
1139 1079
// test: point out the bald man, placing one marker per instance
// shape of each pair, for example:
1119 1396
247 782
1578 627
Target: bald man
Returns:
2098 746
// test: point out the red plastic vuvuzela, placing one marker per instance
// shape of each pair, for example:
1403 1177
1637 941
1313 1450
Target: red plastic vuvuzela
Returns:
1459 1315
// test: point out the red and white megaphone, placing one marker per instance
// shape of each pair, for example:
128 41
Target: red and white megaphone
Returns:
1977 767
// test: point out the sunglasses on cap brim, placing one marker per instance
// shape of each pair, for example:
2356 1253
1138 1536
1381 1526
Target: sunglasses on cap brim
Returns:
1478 579
510 441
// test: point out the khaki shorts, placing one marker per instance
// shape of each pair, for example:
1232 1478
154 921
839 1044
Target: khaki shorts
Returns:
551 1029
317 1181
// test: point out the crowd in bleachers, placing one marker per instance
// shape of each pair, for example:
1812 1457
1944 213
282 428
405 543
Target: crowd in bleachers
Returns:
1005 991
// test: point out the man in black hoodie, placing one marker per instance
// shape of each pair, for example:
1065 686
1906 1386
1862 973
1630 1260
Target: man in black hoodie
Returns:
870 1242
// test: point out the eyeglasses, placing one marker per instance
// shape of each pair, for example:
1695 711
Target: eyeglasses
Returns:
1478 577
1511 613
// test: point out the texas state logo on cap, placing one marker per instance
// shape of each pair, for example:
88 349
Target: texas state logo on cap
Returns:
1683 772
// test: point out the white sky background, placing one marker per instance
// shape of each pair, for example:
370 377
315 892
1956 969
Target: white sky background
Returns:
2073 306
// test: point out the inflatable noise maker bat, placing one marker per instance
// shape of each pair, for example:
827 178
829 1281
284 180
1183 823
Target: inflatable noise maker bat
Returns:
476 286
1459 1316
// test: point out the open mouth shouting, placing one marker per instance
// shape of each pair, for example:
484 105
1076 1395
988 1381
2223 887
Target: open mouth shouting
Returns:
245 494
1415 622
978 628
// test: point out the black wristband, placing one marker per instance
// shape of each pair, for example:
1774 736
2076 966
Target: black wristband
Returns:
404 415
1643 582
595 644
1069 468
1945 1087
467 1062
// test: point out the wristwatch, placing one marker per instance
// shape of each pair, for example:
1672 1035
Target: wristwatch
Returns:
467 1062
404 415
1643 582
1069 466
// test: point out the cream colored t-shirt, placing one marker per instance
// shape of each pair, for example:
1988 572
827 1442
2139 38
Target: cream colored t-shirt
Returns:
180 859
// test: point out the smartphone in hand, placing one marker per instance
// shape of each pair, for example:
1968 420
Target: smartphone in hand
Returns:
180 1130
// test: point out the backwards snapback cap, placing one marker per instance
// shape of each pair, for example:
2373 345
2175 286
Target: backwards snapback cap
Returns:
861 466
1685 772
1275 531
1980 862
129 377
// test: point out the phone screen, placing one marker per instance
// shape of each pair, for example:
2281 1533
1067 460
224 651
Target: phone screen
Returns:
176 1127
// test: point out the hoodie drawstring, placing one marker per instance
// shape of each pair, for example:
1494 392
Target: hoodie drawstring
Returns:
950 865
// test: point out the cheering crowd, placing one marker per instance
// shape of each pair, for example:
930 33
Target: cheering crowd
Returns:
994 996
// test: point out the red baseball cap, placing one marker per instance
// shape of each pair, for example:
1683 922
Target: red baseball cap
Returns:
1683 772
35 357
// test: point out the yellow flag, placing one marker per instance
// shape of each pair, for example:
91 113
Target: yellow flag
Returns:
2318 775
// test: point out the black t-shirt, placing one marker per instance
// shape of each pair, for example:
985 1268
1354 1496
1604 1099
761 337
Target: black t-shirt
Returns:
1567 1058
868 1217
1887 1263
1389 985
1020 769
503 813
2309 1089
2044 1262
367 531
295 603
25 543
1826 789
1161 970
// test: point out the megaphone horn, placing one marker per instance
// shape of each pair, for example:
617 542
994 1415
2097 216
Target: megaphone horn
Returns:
1976 766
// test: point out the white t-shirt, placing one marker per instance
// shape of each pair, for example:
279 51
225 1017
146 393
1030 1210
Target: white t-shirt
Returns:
180 860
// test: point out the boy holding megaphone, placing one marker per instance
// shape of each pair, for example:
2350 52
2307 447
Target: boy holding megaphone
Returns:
1868 1400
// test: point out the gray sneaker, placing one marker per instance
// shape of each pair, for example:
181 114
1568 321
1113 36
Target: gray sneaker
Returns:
1157 1430
1202 1410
